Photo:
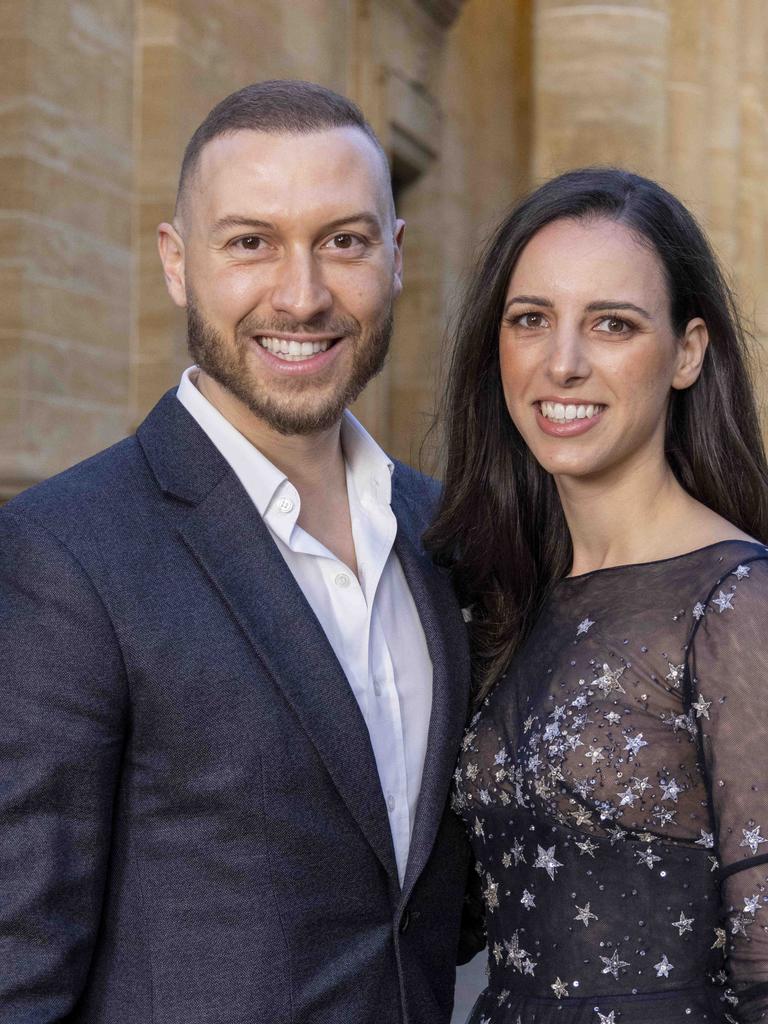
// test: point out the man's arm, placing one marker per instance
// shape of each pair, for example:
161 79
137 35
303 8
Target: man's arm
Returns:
62 710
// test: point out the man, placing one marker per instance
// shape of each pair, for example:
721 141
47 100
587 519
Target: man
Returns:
232 684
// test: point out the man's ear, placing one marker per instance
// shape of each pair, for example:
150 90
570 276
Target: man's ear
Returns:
170 245
399 237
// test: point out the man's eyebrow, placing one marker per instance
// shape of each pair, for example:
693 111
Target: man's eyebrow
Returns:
372 222
238 221
600 304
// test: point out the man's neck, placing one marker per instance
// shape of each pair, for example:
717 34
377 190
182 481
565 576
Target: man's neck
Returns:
310 461
314 464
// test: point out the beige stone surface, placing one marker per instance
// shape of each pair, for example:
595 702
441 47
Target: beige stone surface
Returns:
66 166
685 172
600 85
476 163
98 98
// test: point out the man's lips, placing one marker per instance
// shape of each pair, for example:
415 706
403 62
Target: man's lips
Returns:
296 347
297 354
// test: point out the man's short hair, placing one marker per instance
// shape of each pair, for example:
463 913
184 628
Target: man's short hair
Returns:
278 106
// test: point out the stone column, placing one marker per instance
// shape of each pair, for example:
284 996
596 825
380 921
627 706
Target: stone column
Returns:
600 85
66 121
687 104
751 239
751 204
721 129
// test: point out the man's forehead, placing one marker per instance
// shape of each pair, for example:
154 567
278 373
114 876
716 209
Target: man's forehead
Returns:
270 166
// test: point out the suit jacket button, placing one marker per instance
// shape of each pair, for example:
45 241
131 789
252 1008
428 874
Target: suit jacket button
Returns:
405 921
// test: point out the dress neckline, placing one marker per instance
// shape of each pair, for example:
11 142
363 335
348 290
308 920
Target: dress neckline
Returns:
756 545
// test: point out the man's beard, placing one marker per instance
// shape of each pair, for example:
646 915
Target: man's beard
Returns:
296 406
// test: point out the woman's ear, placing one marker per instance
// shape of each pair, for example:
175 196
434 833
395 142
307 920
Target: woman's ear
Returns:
692 348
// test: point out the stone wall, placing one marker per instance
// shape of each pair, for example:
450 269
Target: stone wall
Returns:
67 165
474 101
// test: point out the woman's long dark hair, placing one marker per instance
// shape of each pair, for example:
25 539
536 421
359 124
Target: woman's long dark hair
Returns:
500 526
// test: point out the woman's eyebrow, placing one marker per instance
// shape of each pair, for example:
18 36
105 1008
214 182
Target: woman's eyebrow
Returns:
595 307
531 300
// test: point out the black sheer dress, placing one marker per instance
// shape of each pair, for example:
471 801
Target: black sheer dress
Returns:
615 787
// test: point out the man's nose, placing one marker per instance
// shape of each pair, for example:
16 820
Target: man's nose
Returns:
568 360
299 290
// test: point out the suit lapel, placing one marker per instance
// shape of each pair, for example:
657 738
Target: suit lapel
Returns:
234 548
445 633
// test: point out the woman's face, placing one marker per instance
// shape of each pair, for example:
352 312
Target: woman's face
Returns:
587 352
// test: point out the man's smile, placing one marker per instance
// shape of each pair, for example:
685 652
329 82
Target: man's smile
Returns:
294 349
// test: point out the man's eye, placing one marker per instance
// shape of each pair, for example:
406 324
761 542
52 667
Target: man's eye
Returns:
344 241
249 242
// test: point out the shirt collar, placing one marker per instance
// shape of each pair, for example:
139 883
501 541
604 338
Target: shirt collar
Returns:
369 467
260 477
367 464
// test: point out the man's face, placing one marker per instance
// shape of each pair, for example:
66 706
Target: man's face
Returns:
288 259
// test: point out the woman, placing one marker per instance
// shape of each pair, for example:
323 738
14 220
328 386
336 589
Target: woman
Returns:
605 514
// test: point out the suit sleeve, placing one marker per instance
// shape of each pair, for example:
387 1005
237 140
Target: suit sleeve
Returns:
62 710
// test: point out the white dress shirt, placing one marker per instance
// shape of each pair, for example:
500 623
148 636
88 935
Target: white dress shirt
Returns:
371 622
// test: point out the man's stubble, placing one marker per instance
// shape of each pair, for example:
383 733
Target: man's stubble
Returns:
299 406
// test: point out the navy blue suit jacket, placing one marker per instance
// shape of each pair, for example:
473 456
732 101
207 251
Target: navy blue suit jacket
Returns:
192 829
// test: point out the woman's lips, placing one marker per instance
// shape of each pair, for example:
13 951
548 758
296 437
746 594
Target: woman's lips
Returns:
561 419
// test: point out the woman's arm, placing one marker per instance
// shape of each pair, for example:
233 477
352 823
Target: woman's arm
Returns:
728 695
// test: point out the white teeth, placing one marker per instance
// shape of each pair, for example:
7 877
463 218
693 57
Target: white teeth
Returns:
560 413
293 350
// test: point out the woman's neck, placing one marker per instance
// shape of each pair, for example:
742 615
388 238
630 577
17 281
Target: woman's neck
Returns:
637 514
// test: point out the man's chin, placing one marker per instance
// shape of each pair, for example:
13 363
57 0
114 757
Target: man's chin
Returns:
294 414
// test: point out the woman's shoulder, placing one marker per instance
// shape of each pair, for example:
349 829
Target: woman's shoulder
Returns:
732 608
730 567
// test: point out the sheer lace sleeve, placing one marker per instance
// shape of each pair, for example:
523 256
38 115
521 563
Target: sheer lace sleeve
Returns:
728 694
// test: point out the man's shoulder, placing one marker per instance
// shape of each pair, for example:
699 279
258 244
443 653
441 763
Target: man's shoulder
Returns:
83 493
414 482
417 491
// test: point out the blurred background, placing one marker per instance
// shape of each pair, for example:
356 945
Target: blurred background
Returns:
475 101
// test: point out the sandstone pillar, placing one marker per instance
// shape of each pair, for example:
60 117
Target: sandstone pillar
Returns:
687 104
721 127
599 85
66 120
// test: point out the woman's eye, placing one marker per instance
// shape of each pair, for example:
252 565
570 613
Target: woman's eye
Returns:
614 325
532 320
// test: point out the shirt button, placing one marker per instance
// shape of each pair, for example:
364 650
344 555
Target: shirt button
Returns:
377 687
390 802
285 505
341 579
